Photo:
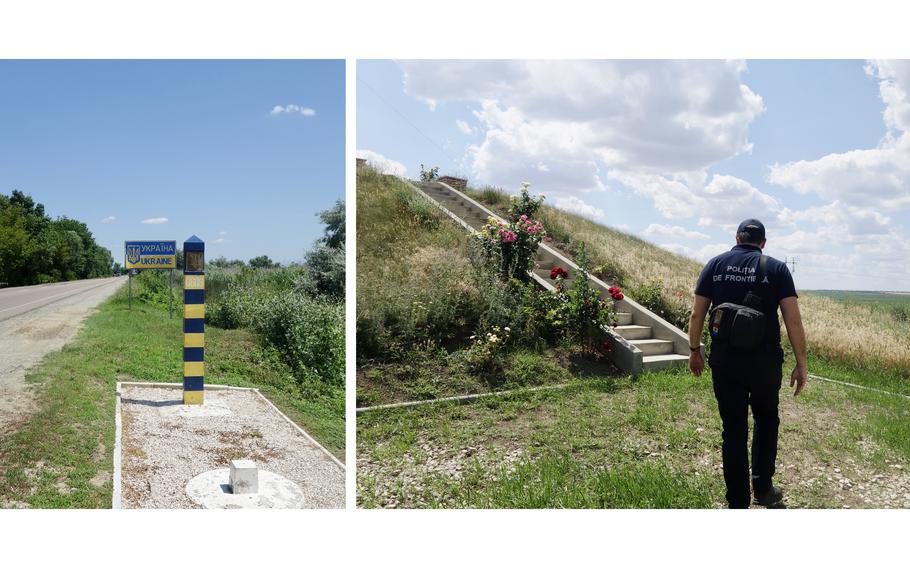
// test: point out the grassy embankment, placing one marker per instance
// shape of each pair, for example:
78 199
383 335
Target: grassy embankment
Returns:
606 441
61 456
868 342
419 301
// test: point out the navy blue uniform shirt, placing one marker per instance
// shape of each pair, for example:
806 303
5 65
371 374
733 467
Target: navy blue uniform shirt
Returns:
729 276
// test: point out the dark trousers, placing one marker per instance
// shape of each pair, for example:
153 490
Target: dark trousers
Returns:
737 387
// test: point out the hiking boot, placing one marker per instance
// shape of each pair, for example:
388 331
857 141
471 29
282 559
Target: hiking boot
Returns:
770 498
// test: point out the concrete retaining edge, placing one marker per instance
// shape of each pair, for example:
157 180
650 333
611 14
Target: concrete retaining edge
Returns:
463 399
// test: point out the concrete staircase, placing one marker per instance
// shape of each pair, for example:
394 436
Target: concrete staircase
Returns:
642 341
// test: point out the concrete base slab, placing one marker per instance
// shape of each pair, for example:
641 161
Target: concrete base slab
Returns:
212 490
157 453
209 408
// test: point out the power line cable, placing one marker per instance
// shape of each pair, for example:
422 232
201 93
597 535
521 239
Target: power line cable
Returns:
406 120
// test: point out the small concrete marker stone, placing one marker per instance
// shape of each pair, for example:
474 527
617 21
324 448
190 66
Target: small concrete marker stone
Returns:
244 477
212 490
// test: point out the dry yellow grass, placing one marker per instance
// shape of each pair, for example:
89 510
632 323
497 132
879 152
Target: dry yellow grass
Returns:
842 332
855 333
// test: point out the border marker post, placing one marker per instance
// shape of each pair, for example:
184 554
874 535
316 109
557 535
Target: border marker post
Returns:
193 320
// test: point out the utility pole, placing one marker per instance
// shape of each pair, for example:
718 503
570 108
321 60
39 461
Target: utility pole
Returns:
791 262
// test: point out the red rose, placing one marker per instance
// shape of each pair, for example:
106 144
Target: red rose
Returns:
606 345
557 272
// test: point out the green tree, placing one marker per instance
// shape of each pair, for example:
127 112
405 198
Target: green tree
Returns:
36 249
262 261
325 262
334 233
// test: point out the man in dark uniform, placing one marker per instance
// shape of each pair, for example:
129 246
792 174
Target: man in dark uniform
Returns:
749 377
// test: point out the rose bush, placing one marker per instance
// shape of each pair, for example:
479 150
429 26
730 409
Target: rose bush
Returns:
509 247
583 312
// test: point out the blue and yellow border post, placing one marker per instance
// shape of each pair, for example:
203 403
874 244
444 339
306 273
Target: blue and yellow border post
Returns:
193 320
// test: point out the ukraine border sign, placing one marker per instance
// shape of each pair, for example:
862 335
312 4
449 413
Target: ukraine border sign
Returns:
151 254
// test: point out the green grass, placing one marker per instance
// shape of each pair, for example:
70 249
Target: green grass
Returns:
564 483
61 456
435 373
617 442
604 440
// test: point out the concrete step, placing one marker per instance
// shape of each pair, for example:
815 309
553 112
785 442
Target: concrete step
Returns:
631 332
657 362
653 346
623 318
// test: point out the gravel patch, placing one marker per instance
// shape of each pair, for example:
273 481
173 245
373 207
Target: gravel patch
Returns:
404 483
165 445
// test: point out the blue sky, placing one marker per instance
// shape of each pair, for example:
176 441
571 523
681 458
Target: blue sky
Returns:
198 143
676 152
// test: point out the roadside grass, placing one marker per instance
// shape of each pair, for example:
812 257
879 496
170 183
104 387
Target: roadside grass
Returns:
618 442
61 456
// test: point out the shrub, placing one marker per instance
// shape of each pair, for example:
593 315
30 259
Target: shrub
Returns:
151 287
234 299
430 174
520 306
584 312
308 332
485 356
524 205
507 248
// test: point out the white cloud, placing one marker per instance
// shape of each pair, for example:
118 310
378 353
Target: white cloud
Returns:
383 164
573 204
673 231
292 109
877 176
108 220
155 221
655 129
220 241
464 127
722 202
647 116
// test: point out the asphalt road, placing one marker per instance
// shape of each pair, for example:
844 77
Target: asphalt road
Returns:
16 301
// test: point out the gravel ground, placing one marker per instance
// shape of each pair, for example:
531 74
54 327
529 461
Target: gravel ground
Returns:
25 340
411 474
164 446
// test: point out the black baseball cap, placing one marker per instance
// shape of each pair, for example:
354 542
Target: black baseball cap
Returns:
754 228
